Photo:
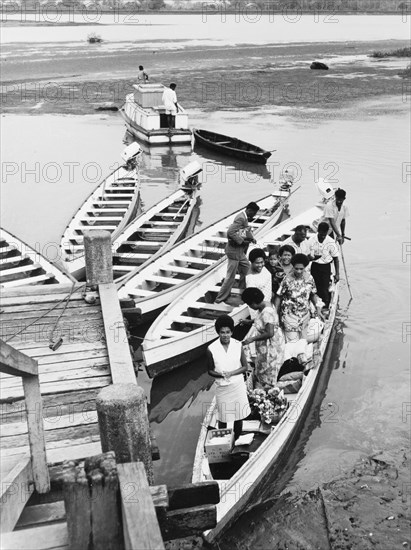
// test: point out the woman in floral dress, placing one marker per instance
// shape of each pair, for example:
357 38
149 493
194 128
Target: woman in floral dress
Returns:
268 338
293 300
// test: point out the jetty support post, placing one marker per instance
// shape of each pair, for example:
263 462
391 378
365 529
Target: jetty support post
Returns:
124 427
90 490
98 257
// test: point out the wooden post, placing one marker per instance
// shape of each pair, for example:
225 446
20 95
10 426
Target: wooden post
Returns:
77 504
99 258
124 426
140 526
35 428
16 363
91 491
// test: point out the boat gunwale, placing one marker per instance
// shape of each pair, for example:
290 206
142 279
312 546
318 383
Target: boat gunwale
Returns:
315 210
49 267
124 287
265 449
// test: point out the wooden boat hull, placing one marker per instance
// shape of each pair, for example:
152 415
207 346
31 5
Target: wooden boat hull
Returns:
21 265
231 146
145 238
110 206
157 285
242 491
185 327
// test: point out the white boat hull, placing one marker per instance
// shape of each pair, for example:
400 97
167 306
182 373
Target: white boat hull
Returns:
242 491
143 286
165 347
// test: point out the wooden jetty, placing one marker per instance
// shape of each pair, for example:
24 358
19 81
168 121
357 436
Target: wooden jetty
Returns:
69 398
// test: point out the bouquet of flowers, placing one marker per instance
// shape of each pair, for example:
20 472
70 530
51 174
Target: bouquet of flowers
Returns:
270 404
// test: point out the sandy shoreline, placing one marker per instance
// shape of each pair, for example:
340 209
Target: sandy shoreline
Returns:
210 79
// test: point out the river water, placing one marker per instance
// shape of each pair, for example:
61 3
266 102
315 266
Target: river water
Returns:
51 163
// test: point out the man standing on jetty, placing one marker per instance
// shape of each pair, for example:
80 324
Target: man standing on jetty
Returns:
239 236
170 103
335 214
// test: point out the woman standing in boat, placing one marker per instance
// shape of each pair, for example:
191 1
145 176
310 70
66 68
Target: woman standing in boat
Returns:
227 364
268 338
293 300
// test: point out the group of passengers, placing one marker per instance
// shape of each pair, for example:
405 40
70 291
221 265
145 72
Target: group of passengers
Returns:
284 289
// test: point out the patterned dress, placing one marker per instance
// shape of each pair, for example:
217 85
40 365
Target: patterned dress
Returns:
270 352
295 304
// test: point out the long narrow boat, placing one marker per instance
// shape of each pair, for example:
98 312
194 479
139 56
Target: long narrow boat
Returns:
164 279
186 326
153 232
231 146
21 265
112 204
244 478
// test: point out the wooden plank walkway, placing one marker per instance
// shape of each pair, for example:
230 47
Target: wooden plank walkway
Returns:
70 377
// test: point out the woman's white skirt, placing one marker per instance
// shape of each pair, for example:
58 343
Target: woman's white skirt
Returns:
232 401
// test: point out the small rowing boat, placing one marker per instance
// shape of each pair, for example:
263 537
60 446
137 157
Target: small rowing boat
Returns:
186 327
231 146
112 204
21 265
164 279
156 230
242 478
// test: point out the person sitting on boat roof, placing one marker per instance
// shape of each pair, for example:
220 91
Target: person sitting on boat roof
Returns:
299 240
227 363
239 236
324 251
170 103
142 76
335 214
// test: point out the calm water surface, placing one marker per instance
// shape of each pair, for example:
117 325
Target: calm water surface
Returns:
45 179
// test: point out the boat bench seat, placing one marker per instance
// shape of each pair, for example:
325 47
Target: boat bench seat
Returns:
194 260
141 292
22 269
131 255
236 291
81 227
143 244
222 142
212 307
124 267
192 320
180 269
110 202
104 210
115 195
291 396
7 249
164 280
120 188
207 250
218 239
155 230
170 214
163 223
28 281
103 217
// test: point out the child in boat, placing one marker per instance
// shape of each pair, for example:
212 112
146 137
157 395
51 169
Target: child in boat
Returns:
227 363
279 265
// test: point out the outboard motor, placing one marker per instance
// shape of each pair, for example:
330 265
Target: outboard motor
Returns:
325 189
130 154
189 174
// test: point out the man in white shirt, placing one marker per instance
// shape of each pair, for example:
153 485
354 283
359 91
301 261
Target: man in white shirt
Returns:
335 214
170 103
324 251
299 240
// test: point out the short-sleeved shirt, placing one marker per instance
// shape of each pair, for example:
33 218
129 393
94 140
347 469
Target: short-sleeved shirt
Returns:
328 249
331 211
301 248
262 281
169 99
